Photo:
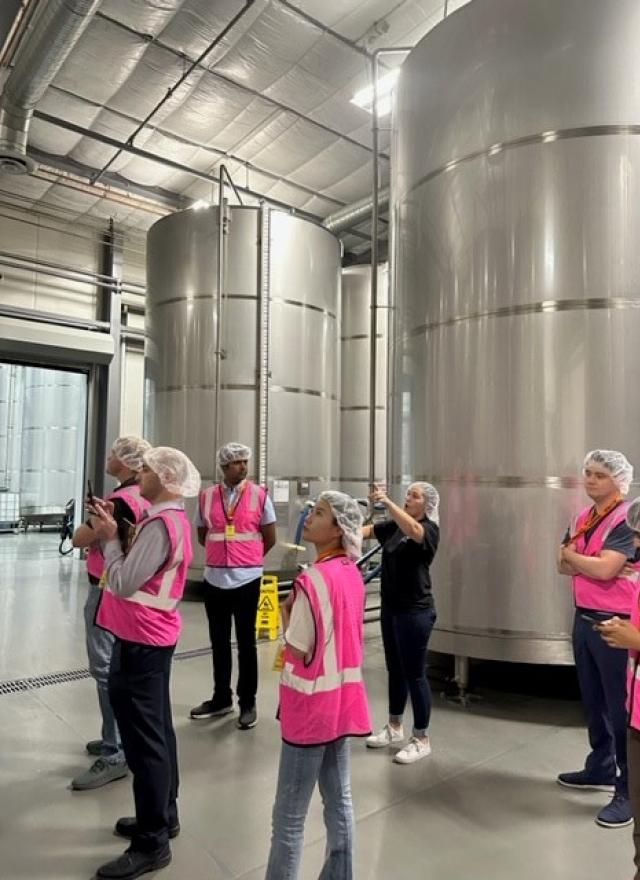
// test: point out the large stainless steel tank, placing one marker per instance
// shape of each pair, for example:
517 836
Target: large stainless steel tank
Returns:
355 339
517 203
279 390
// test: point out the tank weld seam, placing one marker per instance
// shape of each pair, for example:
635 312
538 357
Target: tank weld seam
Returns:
290 389
494 632
541 307
304 305
543 137
509 481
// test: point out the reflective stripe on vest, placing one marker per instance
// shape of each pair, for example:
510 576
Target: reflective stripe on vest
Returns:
238 536
162 599
333 678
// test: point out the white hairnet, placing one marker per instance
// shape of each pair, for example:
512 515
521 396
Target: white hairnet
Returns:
176 472
431 500
347 514
633 515
616 463
232 452
130 451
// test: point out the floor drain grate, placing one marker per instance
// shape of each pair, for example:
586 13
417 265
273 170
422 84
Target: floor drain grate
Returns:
17 685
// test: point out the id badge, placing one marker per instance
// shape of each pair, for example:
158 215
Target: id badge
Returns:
229 530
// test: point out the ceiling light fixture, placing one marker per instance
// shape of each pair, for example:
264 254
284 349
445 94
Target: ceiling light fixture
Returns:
200 203
386 83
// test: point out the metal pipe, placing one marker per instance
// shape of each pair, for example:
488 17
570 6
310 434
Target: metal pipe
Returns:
375 214
220 283
325 28
53 318
57 26
356 213
171 91
232 184
34 264
162 160
239 85
264 349
373 342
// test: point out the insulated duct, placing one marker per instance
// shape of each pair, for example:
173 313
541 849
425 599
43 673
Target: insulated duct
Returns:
356 213
57 27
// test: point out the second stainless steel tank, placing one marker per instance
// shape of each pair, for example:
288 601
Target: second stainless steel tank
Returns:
355 338
517 198
279 364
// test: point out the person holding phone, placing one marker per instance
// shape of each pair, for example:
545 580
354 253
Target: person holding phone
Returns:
142 588
620 633
595 554
409 541
124 463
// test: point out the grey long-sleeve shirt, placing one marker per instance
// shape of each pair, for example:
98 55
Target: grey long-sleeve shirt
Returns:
148 553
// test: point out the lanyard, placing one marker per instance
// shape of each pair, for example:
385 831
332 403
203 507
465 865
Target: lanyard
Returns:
329 554
594 519
229 514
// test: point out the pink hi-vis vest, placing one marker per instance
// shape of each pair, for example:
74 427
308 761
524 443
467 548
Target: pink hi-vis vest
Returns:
633 670
151 615
234 539
137 504
325 699
612 595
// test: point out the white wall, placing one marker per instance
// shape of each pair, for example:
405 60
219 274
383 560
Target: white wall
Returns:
76 246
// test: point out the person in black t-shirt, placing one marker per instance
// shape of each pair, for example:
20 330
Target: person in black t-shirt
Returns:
409 541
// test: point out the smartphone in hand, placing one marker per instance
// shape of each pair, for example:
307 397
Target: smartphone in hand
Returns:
90 493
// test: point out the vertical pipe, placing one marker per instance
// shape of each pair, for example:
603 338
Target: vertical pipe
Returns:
218 307
374 276
264 332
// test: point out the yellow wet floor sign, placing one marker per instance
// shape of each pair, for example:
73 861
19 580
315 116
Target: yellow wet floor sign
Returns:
268 611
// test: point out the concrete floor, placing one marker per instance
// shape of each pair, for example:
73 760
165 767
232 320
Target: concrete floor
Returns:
484 805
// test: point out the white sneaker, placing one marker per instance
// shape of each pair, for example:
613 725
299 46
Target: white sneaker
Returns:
386 737
413 751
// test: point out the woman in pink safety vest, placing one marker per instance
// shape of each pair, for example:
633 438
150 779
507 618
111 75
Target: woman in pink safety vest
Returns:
594 552
124 463
322 694
141 592
620 633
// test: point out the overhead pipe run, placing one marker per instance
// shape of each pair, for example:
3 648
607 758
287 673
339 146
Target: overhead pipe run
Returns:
356 213
57 27
170 92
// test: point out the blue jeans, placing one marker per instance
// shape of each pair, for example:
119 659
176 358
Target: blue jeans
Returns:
99 651
300 769
602 676
405 636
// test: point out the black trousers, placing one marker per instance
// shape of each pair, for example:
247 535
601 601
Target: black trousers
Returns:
139 694
241 604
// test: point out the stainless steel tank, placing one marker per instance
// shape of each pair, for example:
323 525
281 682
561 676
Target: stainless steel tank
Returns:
279 336
355 346
516 192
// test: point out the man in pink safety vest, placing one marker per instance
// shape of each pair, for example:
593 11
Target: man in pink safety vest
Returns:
142 589
596 552
236 524
124 463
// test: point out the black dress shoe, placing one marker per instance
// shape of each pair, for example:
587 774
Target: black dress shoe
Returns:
128 827
132 864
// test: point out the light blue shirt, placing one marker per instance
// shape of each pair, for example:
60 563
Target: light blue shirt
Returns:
230 578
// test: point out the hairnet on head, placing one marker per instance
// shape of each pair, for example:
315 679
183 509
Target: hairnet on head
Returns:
616 463
431 500
347 514
176 472
130 451
633 515
232 452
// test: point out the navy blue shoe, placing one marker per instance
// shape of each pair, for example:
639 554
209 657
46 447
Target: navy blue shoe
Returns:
617 813
584 780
